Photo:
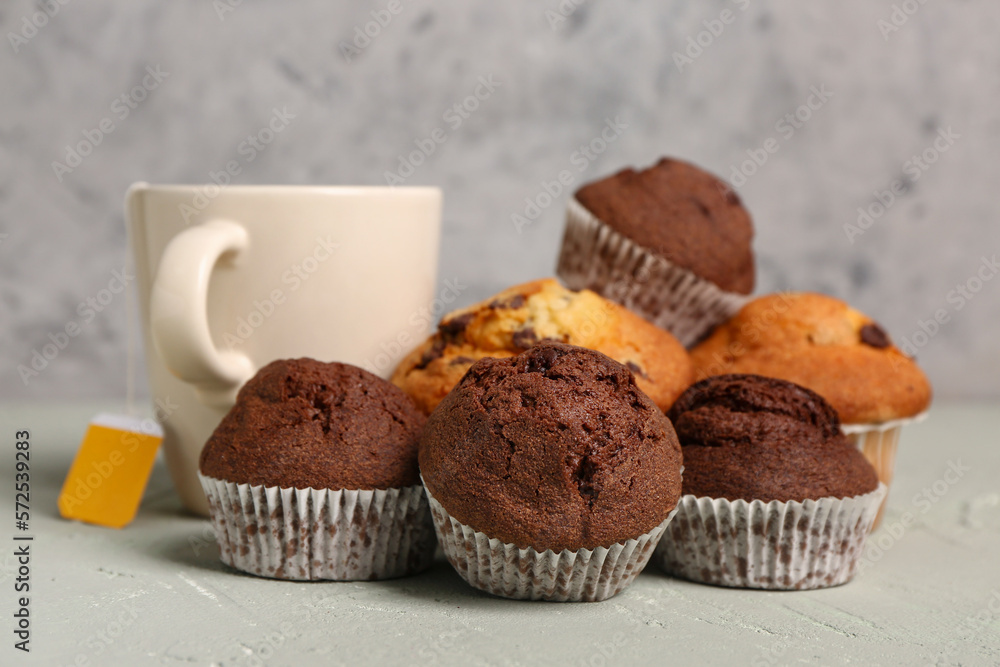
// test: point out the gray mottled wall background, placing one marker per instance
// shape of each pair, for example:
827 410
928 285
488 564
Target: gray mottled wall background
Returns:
686 78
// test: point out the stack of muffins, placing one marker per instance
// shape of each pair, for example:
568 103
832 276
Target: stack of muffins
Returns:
535 431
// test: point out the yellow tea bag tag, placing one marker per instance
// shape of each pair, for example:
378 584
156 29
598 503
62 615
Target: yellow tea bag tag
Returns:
109 474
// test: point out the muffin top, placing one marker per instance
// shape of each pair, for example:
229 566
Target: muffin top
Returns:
519 317
301 423
821 343
756 438
683 214
556 448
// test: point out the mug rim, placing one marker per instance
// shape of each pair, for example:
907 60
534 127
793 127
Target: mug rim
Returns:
291 189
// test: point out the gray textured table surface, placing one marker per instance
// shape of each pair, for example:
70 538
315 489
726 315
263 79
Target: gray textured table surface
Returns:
155 592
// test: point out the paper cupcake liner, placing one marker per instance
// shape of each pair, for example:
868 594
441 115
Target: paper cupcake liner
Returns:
306 534
775 545
499 568
596 257
878 442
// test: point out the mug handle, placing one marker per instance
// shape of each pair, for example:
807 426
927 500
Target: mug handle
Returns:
179 312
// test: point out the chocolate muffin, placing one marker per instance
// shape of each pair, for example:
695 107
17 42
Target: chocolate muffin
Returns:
683 214
756 438
555 451
313 475
519 317
556 448
671 242
774 495
301 423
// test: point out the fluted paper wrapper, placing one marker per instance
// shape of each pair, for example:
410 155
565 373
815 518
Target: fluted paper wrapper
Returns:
879 442
596 257
307 534
775 545
585 575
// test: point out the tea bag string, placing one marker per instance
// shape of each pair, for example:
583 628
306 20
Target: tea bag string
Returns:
130 337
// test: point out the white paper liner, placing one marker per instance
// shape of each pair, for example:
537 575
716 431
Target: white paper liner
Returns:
586 575
306 534
851 429
775 545
596 257
879 442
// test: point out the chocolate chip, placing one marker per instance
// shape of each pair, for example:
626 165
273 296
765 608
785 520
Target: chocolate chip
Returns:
636 369
874 335
515 301
436 352
543 359
451 329
525 338
461 360
732 198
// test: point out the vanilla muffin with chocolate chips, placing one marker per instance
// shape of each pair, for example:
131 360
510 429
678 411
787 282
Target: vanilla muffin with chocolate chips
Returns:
823 344
522 316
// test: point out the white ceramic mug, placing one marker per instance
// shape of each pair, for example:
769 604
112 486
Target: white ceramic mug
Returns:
233 278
